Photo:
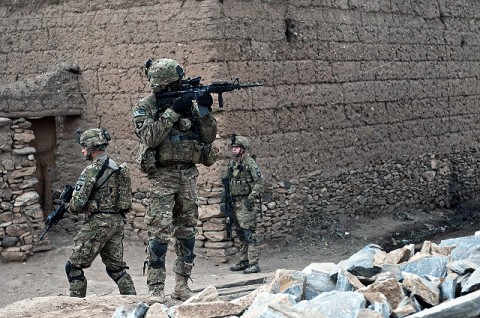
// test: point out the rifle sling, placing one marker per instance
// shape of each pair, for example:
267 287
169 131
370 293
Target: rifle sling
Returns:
102 171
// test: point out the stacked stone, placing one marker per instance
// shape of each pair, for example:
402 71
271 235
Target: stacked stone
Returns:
388 187
276 220
135 227
279 211
21 217
211 239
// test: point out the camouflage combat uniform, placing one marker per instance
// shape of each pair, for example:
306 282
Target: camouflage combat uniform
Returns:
246 183
170 146
102 232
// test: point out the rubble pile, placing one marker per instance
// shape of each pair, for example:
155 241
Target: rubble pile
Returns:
439 280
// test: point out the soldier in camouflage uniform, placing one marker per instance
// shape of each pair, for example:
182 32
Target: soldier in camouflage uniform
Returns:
95 195
246 184
175 134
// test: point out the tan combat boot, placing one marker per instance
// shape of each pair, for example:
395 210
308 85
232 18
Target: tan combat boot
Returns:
156 285
240 266
254 268
181 291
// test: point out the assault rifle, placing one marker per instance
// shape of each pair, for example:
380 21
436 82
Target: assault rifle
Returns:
195 90
58 213
228 210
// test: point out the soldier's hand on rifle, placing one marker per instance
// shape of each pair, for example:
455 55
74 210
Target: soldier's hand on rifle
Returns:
249 203
182 105
206 100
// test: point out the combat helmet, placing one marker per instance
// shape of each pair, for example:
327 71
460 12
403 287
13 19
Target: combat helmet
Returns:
240 141
93 138
162 72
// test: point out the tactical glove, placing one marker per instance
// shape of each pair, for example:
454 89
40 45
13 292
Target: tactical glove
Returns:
206 100
182 105
249 203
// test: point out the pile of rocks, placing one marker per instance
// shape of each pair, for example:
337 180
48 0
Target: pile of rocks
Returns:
438 281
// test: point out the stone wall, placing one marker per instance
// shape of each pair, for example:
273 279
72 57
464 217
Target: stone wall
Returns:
21 216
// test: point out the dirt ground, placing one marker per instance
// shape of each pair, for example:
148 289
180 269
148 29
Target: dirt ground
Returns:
43 274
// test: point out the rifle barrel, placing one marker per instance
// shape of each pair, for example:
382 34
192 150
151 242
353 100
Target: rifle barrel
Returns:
45 232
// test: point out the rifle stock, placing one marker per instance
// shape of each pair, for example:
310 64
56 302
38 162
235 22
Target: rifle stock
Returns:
58 213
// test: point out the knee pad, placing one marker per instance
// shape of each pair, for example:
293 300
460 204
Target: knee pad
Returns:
240 234
156 253
184 249
74 272
116 274
249 236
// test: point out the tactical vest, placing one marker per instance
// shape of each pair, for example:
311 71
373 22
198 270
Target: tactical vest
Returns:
181 146
240 179
112 191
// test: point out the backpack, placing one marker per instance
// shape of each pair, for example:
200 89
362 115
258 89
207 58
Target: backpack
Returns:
123 200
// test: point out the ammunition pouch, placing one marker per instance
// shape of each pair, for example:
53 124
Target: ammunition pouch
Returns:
176 152
146 159
182 151
240 187
209 155
185 151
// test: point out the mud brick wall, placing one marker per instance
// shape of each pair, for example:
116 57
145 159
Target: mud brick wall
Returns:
350 86
21 216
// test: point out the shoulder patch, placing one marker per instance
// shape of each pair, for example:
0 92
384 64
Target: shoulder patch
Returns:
139 112
258 172
80 182
139 124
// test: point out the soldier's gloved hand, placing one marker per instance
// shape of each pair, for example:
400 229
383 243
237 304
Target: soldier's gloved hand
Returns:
249 203
206 100
182 105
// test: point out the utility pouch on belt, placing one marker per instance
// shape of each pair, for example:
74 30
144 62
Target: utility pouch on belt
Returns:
240 188
146 159
184 151
209 155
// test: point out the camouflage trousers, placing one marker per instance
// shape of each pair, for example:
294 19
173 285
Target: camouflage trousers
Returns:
245 222
100 234
172 212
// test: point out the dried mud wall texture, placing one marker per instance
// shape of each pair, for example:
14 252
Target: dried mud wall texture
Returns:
350 86
55 93
21 216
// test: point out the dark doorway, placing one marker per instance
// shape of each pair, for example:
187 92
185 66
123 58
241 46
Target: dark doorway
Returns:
44 143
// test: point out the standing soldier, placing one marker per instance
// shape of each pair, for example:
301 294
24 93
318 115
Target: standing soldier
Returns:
175 134
246 183
103 194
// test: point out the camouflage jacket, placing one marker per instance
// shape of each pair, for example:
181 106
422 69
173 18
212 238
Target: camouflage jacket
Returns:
245 176
92 193
163 131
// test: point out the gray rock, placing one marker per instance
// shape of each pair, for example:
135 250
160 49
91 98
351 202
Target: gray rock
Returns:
9 241
429 265
472 283
334 304
365 262
448 288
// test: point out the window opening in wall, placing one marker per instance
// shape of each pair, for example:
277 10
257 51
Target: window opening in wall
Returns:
44 143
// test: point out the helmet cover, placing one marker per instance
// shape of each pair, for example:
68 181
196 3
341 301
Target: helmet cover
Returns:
163 72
